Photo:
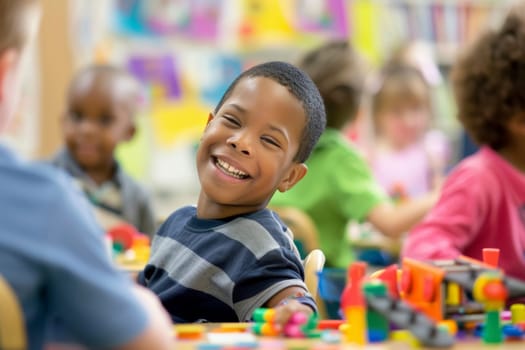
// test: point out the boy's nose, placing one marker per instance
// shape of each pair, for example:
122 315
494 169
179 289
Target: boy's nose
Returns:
240 143
87 125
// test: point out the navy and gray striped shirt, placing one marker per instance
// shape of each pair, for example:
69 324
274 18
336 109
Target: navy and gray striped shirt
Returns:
221 270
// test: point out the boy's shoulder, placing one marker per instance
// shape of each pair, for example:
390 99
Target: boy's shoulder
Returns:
259 224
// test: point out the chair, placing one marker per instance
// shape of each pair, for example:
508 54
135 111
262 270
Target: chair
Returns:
12 324
313 265
302 227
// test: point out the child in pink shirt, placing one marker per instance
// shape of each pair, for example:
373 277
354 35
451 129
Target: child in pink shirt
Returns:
482 204
407 158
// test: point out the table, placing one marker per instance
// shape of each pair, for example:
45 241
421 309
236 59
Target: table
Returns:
288 343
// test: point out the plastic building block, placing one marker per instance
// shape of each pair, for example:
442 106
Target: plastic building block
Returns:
232 327
268 329
189 331
356 318
466 270
264 315
390 275
421 287
450 326
405 336
492 332
513 331
490 291
518 313
377 324
329 324
453 294
404 316
298 326
352 294
353 305
491 256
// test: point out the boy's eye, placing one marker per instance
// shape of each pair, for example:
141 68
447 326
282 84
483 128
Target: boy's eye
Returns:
105 120
76 117
271 141
232 120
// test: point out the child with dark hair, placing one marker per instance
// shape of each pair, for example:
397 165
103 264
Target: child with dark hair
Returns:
340 186
226 257
482 204
102 102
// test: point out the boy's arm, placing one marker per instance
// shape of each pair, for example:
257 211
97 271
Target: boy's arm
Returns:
287 302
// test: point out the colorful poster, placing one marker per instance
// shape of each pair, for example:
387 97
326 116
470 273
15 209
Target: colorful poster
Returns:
266 22
157 72
222 71
327 17
194 19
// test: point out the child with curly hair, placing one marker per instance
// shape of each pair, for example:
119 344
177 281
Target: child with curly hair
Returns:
482 204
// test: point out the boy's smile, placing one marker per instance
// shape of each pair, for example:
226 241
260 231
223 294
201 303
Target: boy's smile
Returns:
229 169
247 150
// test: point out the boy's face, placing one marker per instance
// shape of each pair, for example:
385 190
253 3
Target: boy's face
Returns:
96 120
247 150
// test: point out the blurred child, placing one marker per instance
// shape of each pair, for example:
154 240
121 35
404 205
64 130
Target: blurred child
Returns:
339 186
482 204
102 101
51 250
226 257
407 159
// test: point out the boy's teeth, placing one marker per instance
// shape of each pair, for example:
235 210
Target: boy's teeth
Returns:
231 170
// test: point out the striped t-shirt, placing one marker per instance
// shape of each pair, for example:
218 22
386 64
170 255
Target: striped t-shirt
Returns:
221 270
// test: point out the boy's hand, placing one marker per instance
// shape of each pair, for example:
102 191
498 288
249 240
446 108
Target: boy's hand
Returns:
284 311
285 306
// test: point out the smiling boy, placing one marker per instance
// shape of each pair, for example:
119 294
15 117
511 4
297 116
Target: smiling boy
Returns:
226 257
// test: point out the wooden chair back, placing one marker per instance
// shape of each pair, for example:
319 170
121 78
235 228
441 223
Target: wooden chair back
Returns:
12 324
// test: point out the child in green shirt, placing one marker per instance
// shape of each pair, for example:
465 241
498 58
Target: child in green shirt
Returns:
339 186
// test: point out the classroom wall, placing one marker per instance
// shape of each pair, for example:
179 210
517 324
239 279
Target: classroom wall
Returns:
185 53
56 68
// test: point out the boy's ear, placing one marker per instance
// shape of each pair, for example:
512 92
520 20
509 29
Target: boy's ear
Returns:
210 118
517 124
295 174
132 129
8 59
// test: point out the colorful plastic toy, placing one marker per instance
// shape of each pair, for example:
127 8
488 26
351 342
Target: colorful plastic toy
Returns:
298 326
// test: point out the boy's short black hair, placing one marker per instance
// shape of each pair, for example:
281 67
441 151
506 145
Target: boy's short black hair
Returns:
489 81
299 85
123 82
